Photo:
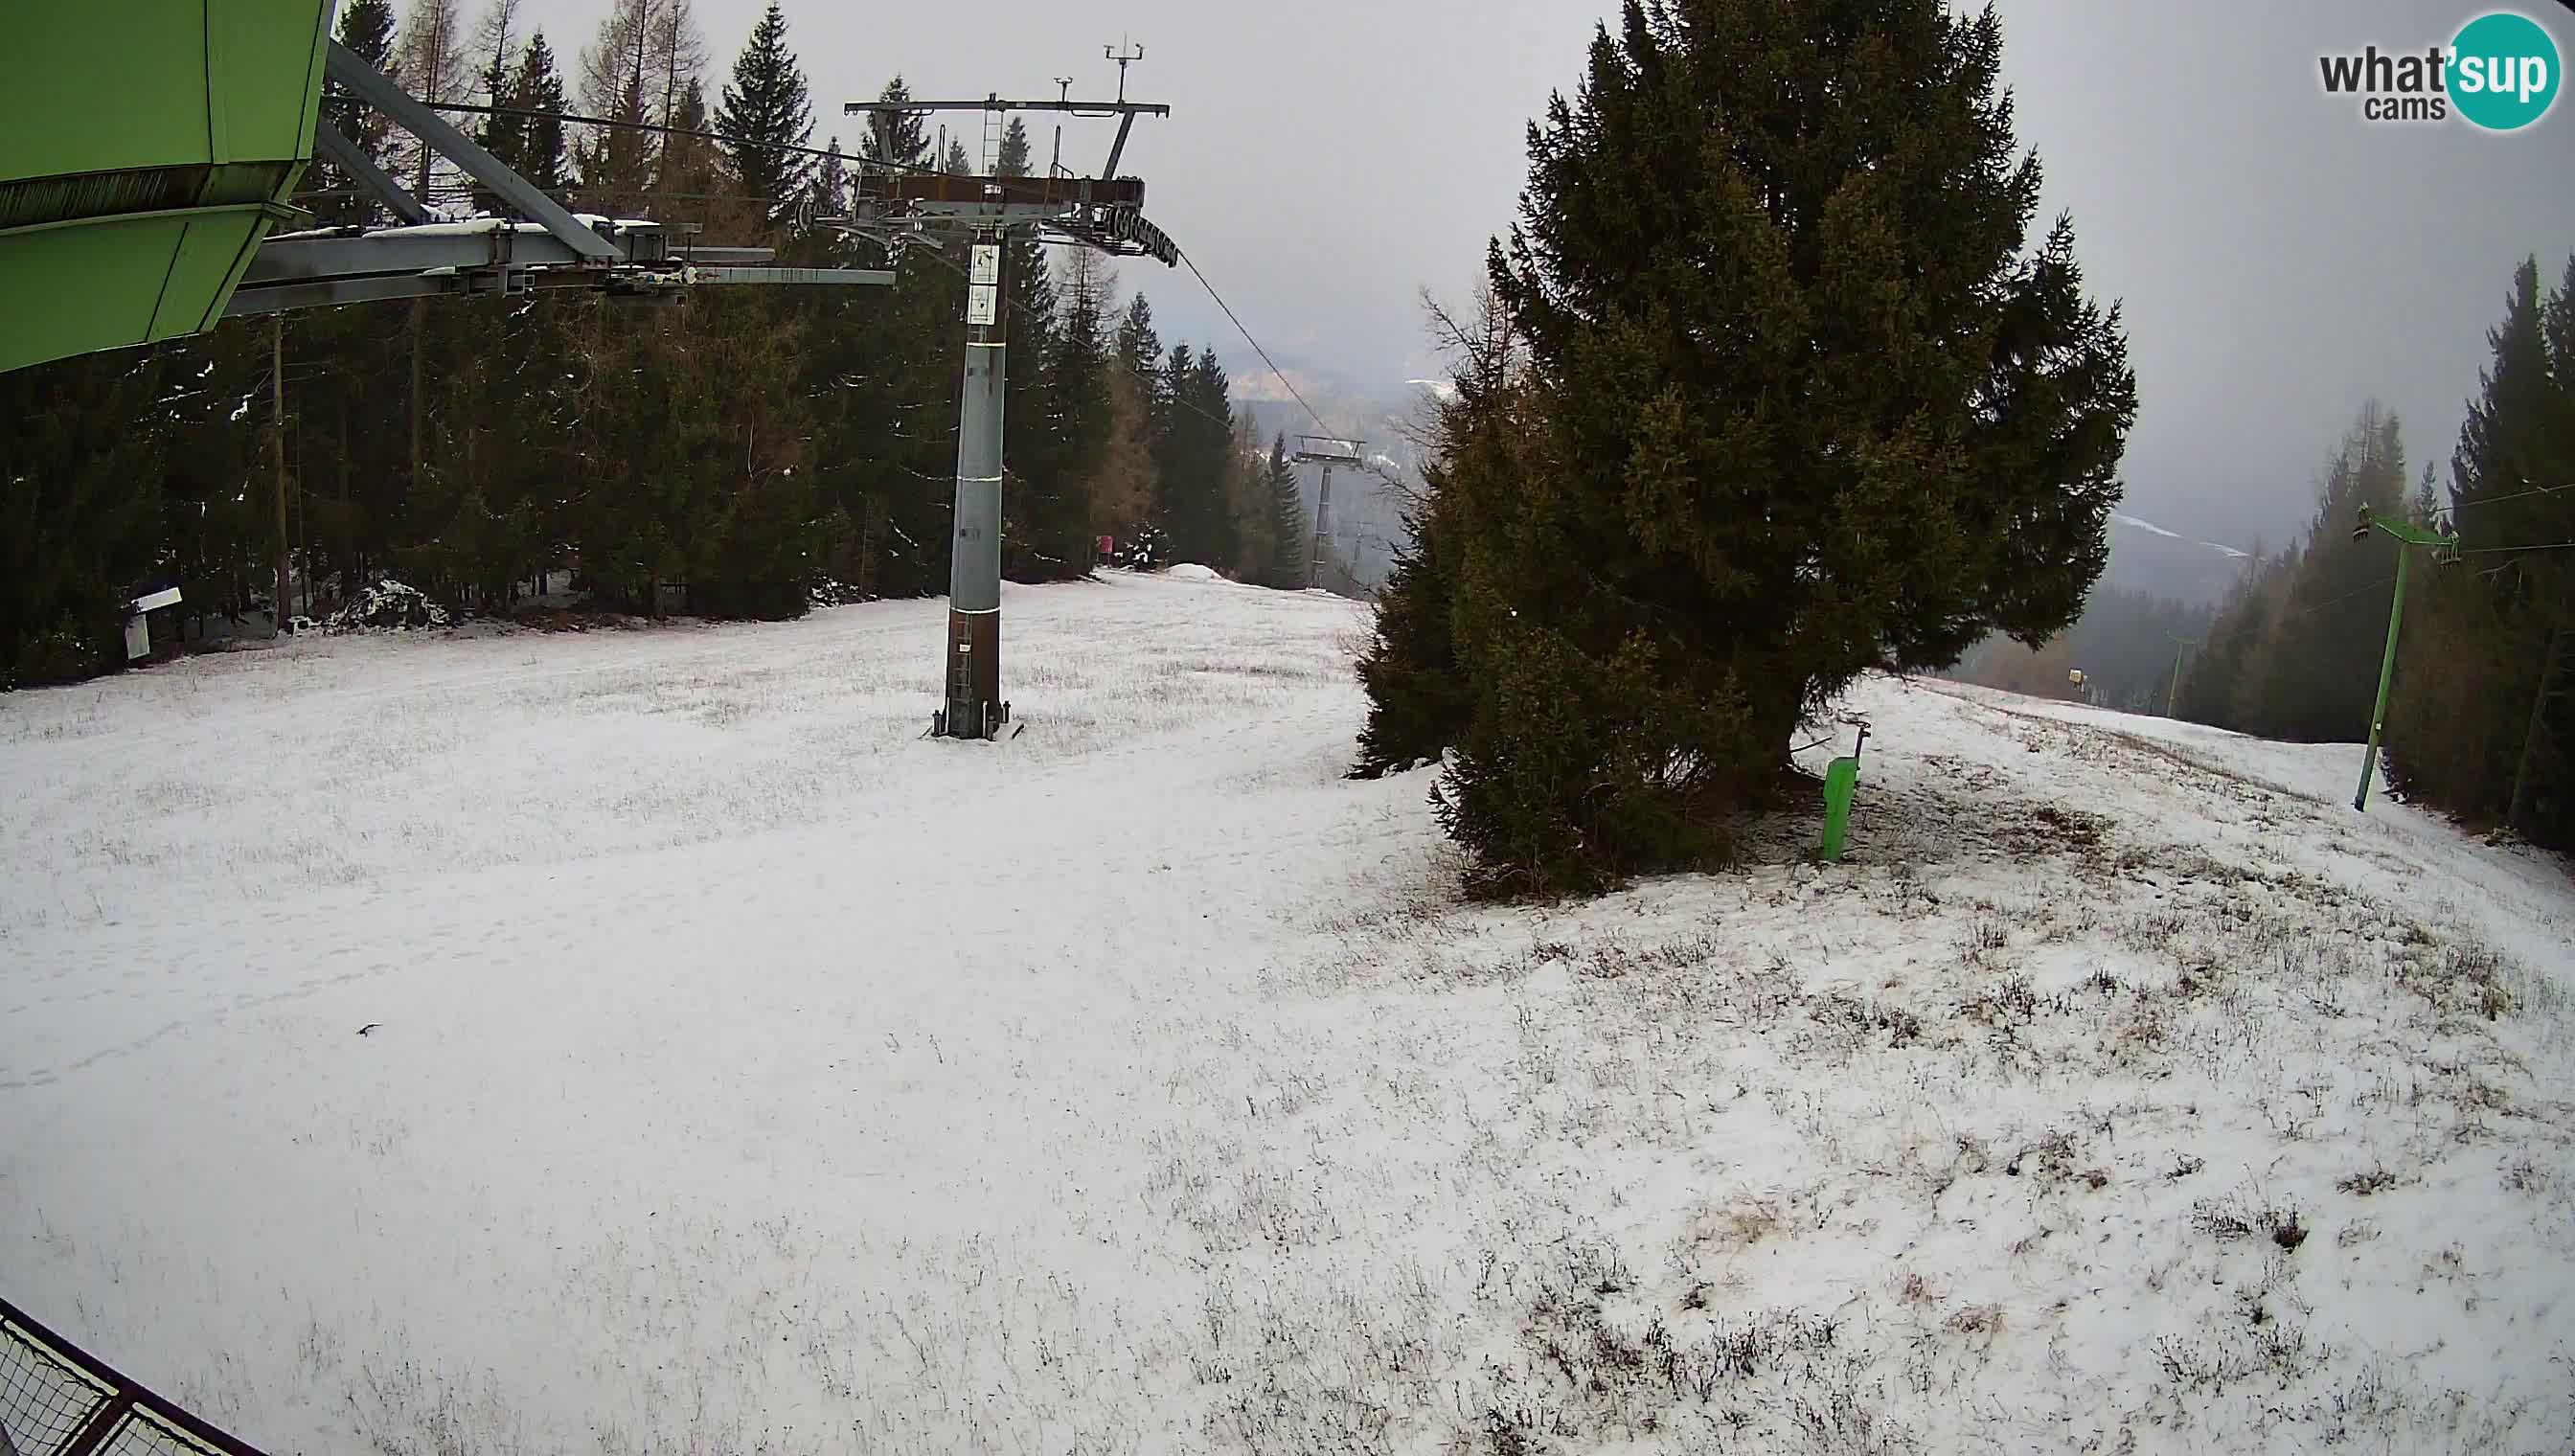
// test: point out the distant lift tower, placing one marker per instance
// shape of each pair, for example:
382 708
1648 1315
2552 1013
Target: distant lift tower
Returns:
1330 453
903 207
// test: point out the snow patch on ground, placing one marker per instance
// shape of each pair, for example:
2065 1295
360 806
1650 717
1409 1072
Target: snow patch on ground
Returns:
748 1072
1193 572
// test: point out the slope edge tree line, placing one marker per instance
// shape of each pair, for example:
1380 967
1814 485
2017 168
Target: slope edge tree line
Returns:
730 457
2481 714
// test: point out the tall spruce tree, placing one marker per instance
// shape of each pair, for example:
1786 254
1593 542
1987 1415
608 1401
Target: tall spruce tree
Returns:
1047 507
616 162
1013 158
1176 458
691 167
1288 534
896 137
1078 391
544 158
367 28
1219 458
501 133
766 110
1811 403
1138 349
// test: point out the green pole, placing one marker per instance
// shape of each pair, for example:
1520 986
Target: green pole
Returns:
2387 675
2173 696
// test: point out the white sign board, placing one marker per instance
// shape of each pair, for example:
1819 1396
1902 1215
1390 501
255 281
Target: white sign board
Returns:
988 262
983 304
138 628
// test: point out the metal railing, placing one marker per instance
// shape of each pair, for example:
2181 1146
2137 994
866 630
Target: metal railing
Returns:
56 1400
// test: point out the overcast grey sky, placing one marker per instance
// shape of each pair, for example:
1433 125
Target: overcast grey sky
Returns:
2281 258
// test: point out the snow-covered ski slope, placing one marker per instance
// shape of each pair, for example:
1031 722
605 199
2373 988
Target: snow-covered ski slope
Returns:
749 1074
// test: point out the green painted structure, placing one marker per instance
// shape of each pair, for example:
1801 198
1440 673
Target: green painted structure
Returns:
146 150
1841 779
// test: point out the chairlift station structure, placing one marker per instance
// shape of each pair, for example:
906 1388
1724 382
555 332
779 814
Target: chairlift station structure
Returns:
146 171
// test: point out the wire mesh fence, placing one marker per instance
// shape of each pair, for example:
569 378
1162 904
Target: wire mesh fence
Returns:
56 1400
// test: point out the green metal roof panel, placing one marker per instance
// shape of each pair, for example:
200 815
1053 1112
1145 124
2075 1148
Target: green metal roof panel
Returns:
159 83
144 153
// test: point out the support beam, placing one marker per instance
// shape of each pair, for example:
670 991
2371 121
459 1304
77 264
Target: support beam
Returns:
724 274
322 293
1117 148
253 300
347 156
370 86
997 103
457 245
1040 197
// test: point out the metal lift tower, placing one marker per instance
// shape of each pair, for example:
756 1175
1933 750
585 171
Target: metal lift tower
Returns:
1331 452
1104 213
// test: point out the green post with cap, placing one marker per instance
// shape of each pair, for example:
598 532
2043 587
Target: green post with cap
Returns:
1841 776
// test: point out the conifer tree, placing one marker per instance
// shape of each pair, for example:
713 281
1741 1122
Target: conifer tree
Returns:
1288 534
1420 703
1138 348
1124 487
1810 402
830 184
691 167
765 111
616 162
542 157
1174 455
367 28
496 37
1013 160
896 137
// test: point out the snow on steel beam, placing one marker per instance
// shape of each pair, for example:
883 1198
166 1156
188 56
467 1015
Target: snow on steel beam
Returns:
353 160
371 86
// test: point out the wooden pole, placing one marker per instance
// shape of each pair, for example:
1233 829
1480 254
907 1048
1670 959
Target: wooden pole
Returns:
277 453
